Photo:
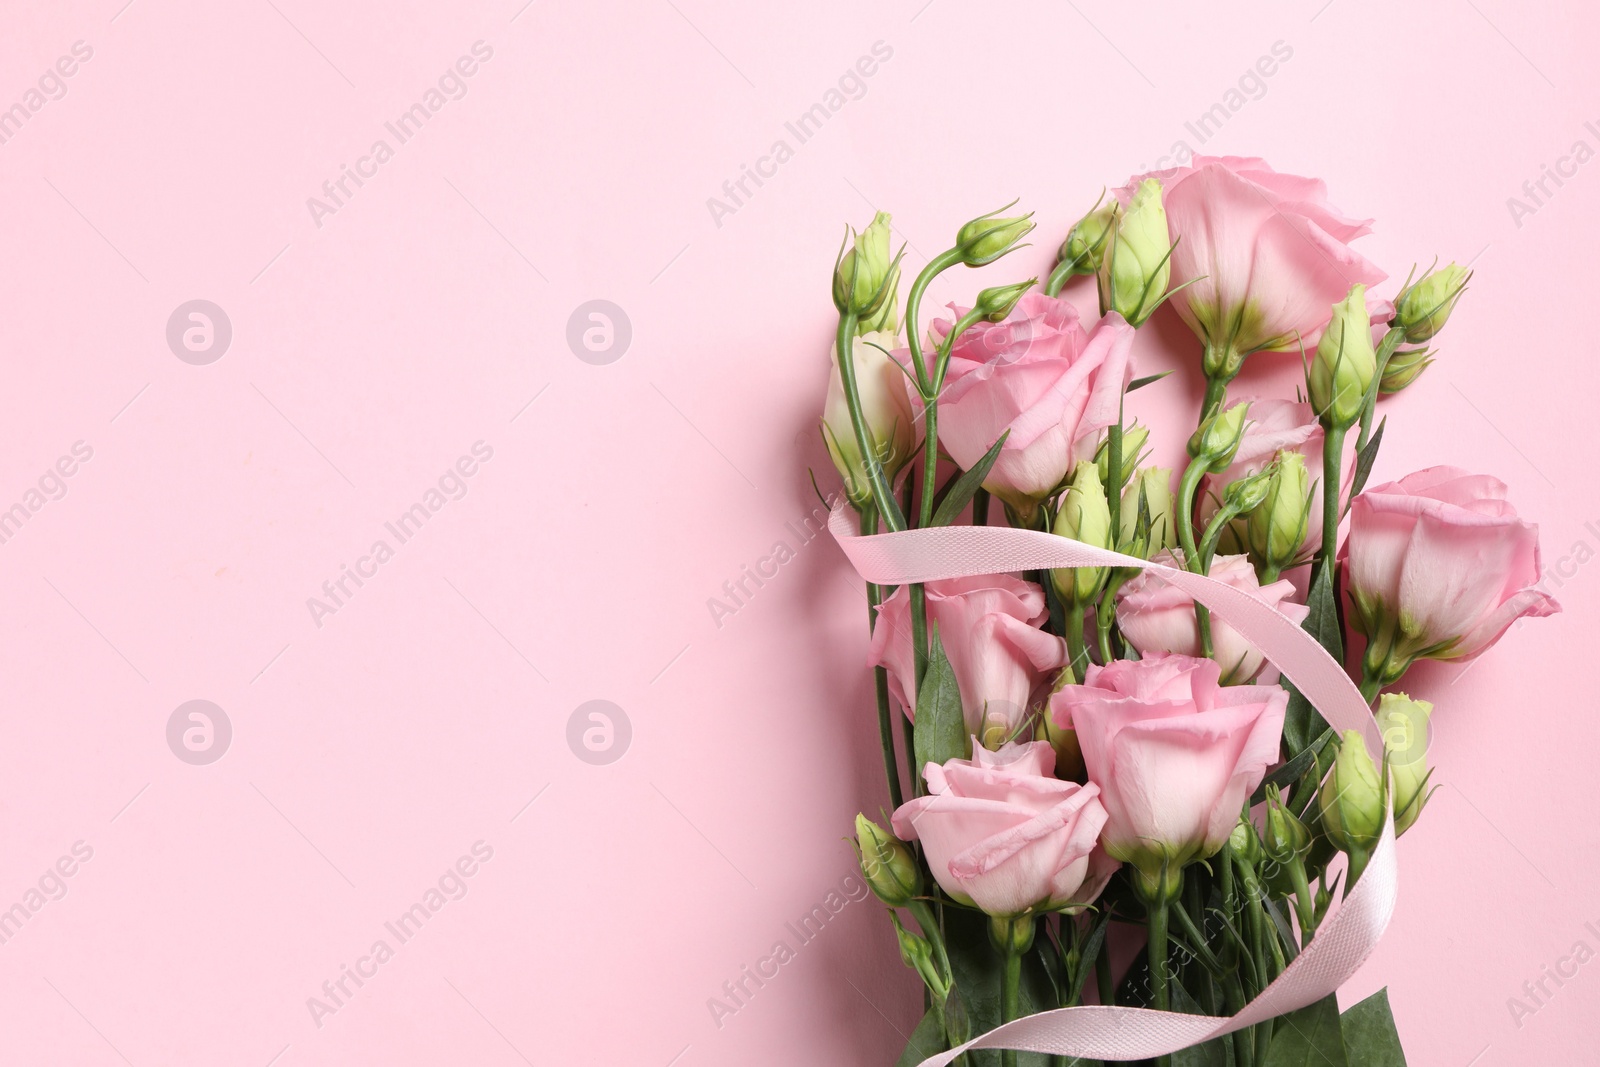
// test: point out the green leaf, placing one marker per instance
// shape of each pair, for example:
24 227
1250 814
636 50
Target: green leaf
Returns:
1365 458
940 733
1370 1038
1302 724
1309 1037
1289 772
1140 383
961 492
1212 1053
976 965
926 1040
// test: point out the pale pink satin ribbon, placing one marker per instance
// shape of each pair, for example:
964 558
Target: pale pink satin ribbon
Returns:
1343 941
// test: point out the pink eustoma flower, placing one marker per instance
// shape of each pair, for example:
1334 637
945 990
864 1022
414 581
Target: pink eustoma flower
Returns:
989 626
1041 376
1001 832
1263 256
1175 755
1439 565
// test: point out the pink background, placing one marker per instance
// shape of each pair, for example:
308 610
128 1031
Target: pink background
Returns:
424 315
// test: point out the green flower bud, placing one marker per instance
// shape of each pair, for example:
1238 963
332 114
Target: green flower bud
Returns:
917 953
1244 495
987 238
1403 722
1287 838
1086 241
1149 494
1345 362
996 303
1011 934
887 864
1404 367
1134 438
1069 753
1137 263
1352 798
1084 516
866 277
1423 308
1276 529
1246 842
1217 439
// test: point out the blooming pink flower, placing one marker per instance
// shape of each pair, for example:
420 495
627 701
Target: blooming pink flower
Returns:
1155 616
1277 426
1041 376
1002 833
989 626
1175 755
1439 566
1264 256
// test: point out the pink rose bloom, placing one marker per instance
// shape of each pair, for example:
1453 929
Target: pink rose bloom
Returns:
1439 565
1039 375
1175 755
1003 833
1264 255
1277 426
989 626
1157 617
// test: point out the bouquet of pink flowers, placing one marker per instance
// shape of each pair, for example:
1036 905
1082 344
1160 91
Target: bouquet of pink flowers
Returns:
1103 792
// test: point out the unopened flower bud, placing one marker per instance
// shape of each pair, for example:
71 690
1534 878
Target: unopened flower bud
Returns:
1276 529
1084 516
1246 842
1013 934
917 953
1137 265
866 278
1404 367
988 237
1352 798
1134 438
1217 439
1147 500
1423 307
1345 362
1085 245
1403 722
1287 838
1069 753
996 303
1244 495
887 864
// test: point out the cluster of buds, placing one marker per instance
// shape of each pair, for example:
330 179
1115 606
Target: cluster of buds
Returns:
1275 529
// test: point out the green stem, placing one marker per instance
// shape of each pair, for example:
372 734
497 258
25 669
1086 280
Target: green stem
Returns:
882 497
1304 909
1103 983
919 285
1192 559
1370 687
1010 999
1358 864
913 772
1114 474
880 680
1386 347
1332 461
1077 653
1216 395
1160 998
